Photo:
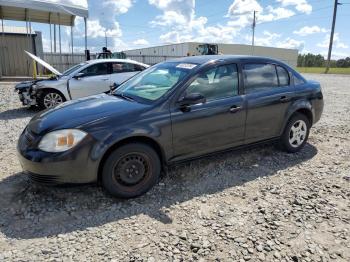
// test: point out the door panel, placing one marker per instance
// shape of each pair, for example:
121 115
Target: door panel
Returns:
89 85
119 78
214 125
208 127
267 100
96 80
265 113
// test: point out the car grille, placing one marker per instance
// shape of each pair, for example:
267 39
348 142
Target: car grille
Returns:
44 179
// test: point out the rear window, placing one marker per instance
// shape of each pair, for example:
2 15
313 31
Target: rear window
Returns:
298 80
283 76
259 77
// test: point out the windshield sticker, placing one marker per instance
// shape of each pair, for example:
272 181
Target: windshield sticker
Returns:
186 66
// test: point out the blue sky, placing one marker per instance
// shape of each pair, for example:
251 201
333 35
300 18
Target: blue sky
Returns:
300 24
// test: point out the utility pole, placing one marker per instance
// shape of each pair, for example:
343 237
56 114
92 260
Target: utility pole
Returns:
106 38
253 27
332 34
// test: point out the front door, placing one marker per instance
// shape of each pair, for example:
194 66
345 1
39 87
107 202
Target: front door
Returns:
95 79
214 125
268 94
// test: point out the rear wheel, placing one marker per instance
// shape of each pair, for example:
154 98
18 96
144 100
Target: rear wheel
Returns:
295 134
131 170
50 98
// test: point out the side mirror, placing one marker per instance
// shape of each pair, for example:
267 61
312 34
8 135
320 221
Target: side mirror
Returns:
79 75
191 99
113 87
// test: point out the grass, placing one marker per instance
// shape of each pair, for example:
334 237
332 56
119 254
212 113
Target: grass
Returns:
320 70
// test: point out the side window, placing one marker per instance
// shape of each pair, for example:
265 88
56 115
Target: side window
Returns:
283 76
259 77
96 69
125 67
138 67
216 83
117 68
298 80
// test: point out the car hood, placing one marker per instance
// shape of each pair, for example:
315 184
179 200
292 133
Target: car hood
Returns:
80 112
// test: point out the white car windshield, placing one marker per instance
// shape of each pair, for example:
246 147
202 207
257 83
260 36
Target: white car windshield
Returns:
155 81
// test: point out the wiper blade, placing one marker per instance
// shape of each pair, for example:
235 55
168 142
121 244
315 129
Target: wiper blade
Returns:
126 97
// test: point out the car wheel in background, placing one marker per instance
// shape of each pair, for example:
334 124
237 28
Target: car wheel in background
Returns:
295 134
50 98
131 170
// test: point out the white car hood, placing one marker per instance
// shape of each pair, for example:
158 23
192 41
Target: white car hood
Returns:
43 63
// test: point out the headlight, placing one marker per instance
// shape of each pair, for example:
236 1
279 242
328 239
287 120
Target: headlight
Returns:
61 140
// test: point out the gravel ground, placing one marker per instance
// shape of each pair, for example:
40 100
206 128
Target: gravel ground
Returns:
256 204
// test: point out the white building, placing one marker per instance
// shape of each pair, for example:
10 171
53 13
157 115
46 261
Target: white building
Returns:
156 54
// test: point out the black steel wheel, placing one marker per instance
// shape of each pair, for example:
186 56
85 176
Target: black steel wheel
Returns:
131 170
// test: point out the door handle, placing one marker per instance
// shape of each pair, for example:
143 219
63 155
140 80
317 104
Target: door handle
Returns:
104 79
284 99
234 109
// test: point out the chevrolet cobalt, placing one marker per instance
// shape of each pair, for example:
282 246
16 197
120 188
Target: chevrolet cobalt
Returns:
173 111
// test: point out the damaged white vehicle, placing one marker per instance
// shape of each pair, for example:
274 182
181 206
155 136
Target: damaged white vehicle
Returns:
85 79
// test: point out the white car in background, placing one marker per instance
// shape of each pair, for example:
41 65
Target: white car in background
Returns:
85 79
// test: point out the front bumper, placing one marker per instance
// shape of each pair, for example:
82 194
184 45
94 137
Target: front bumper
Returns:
26 93
72 166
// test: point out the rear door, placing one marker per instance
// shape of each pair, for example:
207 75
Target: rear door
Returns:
95 80
269 93
122 71
214 125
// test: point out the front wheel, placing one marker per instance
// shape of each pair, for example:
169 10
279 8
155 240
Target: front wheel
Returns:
131 170
50 98
295 134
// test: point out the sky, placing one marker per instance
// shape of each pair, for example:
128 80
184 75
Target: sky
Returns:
301 24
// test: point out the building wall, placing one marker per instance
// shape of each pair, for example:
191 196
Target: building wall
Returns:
153 55
14 62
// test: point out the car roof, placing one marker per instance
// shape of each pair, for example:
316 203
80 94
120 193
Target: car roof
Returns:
95 61
203 59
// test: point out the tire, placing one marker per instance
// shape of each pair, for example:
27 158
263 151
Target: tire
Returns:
131 170
50 98
295 134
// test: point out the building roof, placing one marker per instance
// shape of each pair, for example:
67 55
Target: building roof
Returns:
16 30
41 11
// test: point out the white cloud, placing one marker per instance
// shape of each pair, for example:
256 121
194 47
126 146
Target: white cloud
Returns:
266 40
276 40
336 42
95 29
141 42
301 5
241 13
335 54
291 43
308 30
184 8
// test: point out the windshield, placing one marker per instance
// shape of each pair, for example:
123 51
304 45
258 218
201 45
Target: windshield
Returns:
72 69
155 81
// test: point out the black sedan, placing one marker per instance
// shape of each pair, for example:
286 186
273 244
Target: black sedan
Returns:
171 112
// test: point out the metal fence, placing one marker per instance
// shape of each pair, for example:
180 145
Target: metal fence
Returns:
67 60
150 59
64 61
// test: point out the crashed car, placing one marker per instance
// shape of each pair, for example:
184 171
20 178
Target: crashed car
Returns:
85 79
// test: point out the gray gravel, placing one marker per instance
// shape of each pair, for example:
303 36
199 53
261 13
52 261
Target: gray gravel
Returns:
254 205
